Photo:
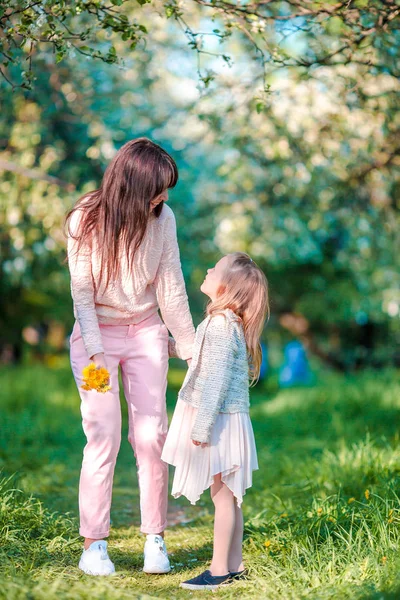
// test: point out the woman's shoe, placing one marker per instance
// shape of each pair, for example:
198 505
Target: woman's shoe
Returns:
155 555
206 581
95 560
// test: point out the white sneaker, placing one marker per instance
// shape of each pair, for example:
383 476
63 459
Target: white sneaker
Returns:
95 560
155 555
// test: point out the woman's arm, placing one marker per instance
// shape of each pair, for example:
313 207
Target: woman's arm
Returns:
171 292
216 371
82 289
172 353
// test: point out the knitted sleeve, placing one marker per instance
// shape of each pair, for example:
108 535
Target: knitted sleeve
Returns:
216 371
82 289
171 292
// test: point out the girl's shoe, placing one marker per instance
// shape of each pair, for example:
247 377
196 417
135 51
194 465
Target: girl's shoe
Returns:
95 560
206 581
155 555
239 574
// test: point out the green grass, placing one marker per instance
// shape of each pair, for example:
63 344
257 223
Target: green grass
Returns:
322 519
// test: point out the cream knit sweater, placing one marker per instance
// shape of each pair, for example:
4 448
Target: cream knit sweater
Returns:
155 281
218 377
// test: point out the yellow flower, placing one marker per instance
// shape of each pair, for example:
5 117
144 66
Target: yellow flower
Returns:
367 494
332 519
267 543
95 379
87 370
350 500
319 511
284 515
384 559
98 377
390 520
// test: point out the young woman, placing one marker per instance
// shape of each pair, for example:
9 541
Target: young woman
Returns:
211 441
124 263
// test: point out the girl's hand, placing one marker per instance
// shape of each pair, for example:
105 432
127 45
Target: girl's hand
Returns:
99 360
202 444
189 360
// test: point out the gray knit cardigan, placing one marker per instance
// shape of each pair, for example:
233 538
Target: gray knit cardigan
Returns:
217 380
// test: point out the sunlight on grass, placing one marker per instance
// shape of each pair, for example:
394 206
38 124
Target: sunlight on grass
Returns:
175 377
322 519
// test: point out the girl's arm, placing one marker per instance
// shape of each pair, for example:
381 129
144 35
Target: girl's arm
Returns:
216 371
82 290
171 292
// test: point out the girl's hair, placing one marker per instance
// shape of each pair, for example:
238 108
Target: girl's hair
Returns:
244 289
117 213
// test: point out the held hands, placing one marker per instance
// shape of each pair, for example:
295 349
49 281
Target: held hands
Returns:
202 444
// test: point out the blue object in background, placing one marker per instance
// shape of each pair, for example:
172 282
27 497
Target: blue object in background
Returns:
264 362
295 370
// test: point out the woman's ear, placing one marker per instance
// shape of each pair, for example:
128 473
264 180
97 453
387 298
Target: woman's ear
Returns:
158 209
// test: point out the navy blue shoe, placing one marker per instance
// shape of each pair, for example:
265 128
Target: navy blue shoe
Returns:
239 574
206 581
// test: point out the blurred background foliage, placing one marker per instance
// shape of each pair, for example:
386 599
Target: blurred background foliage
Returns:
283 118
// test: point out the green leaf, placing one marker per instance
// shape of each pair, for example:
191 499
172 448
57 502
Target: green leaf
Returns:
169 11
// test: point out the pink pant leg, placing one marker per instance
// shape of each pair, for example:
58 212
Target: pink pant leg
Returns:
144 375
101 420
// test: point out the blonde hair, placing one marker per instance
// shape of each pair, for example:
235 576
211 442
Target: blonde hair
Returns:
244 289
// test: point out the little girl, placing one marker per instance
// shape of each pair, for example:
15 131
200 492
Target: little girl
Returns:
211 441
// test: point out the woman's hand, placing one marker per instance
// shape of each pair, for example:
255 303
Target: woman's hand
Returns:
202 444
99 360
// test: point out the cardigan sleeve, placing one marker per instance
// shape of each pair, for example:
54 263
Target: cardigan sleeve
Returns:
82 289
171 292
216 371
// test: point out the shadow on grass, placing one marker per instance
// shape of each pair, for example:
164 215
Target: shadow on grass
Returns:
393 594
315 457
181 559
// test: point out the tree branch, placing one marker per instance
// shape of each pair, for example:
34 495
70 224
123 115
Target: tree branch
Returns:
6 165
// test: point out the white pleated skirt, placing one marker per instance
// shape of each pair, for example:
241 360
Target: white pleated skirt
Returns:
232 452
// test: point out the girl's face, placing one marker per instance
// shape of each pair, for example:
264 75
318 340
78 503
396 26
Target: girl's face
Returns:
163 197
213 279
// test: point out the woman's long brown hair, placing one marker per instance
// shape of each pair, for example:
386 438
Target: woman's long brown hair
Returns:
244 289
118 212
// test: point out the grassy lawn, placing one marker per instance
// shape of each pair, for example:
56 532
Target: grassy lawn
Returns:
322 520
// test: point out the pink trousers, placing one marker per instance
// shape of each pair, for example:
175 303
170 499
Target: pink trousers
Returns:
142 353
